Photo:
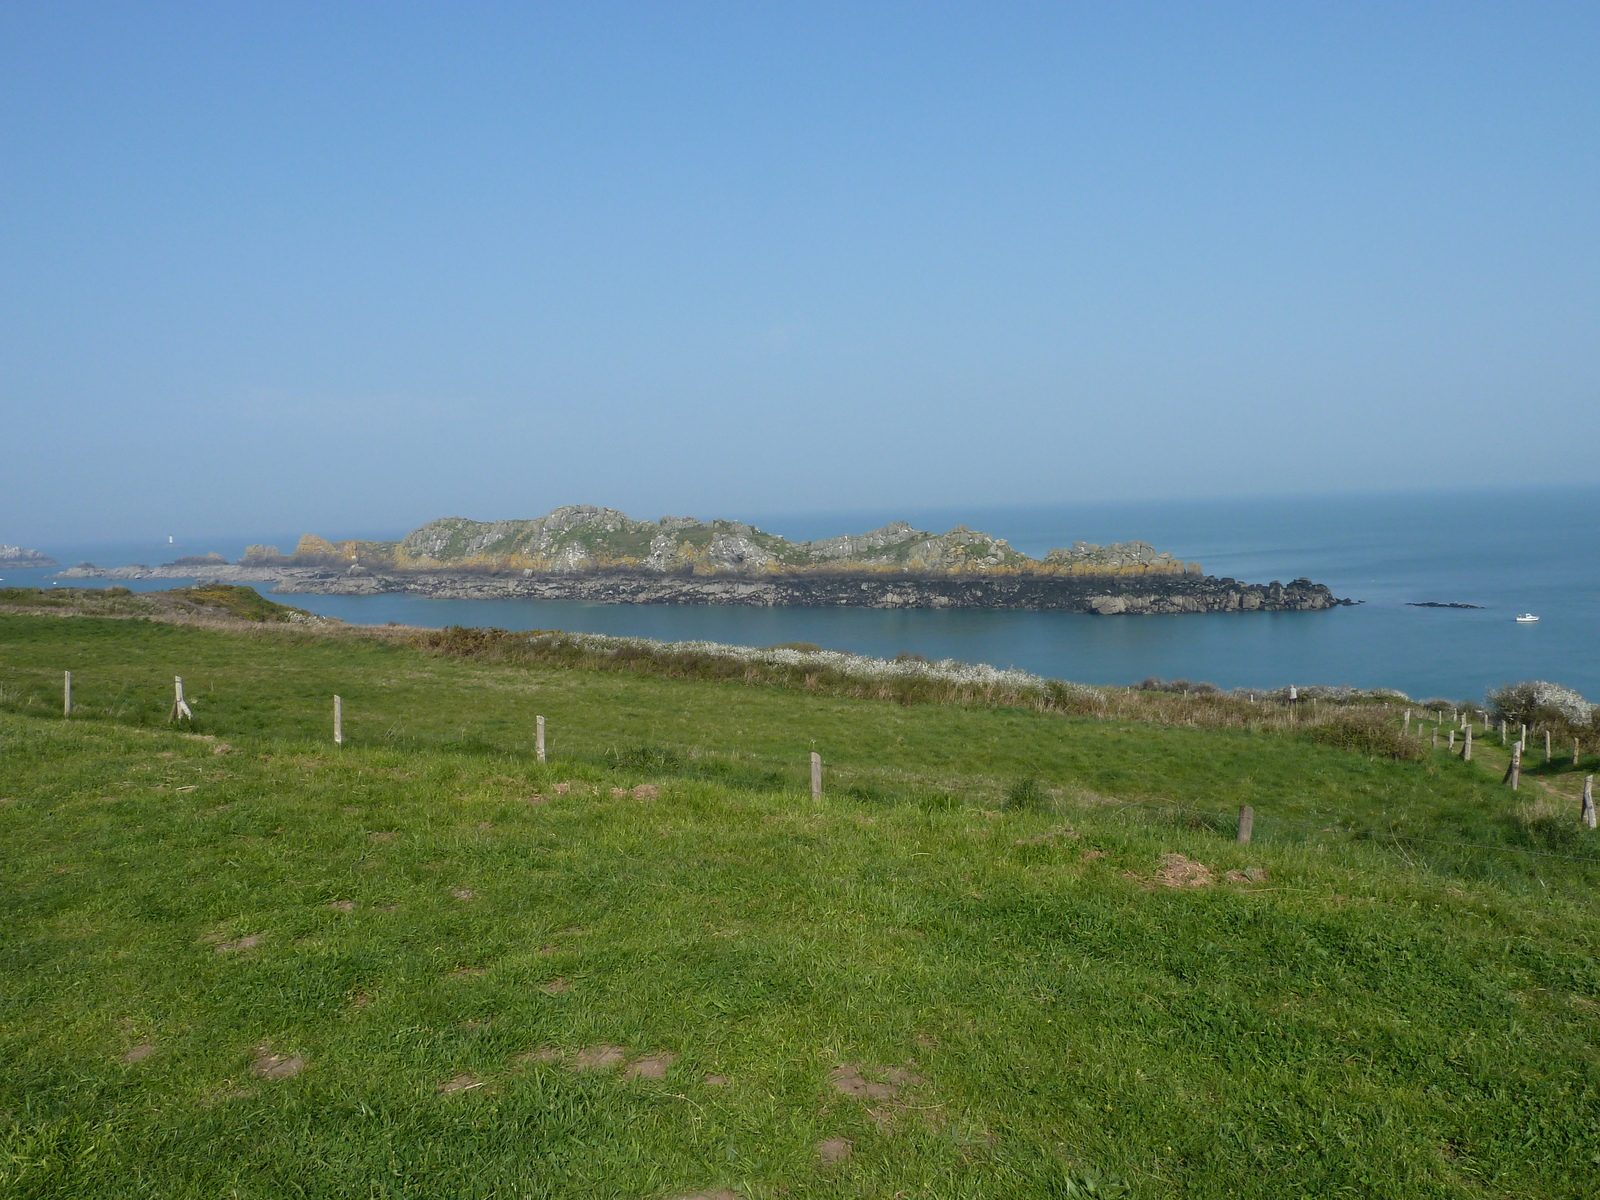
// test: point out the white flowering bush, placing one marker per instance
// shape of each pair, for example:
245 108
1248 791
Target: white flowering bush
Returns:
1536 702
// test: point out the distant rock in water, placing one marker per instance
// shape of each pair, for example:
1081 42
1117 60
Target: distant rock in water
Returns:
16 558
1436 604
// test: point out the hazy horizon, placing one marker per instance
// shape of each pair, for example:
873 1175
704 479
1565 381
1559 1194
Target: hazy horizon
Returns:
1031 528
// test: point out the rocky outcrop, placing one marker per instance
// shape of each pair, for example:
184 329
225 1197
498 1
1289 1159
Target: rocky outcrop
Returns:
1061 593
18 558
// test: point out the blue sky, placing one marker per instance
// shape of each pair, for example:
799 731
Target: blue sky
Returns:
350 267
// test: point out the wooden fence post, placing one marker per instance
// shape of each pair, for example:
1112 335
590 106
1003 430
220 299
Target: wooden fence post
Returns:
66 696
1406 728
816 776
1574 754
180 710
1514 771
1547 747
538 738
1247 817
1588 801
1452 741
1435 737
1522 739
338 721
1466 753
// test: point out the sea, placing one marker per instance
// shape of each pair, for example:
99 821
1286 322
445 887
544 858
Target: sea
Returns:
1503 551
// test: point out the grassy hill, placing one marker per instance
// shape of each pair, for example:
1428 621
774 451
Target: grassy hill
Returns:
1012 952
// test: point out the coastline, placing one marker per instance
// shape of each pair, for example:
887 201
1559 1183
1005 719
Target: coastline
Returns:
1106 595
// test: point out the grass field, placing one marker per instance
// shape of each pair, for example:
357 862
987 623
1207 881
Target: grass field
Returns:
1010 953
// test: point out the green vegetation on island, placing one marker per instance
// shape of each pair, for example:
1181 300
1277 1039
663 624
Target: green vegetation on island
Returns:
1014 950
581 537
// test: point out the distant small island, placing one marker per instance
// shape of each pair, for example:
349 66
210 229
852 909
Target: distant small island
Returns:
1436 604
16 557
581 552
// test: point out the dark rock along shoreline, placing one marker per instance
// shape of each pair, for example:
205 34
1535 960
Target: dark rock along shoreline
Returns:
1104 596
1179 594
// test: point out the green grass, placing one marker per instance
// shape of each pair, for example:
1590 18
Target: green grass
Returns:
974 902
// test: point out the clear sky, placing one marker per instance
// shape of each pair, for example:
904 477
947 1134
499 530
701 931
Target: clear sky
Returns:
347 267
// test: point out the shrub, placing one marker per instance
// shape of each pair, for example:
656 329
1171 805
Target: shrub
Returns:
1365 734
1535 702
238 601
1154 683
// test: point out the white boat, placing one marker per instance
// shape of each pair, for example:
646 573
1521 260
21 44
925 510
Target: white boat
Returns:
1526 618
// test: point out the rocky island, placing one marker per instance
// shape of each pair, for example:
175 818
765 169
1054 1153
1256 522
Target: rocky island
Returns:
17 558
585 553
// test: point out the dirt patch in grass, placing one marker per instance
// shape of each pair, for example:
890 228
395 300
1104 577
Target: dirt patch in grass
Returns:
716 1081
139 1053
461 893
350 810
870 1083
556 986
381 835
650 1066
249 942
268 1065
646 791
544 1054
1248 875
1180 872
484 826
598 1058
535 799
343 906
1091 855
468 972
834 1149
461 1083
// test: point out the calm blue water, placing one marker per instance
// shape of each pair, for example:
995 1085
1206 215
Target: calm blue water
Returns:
1506 551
